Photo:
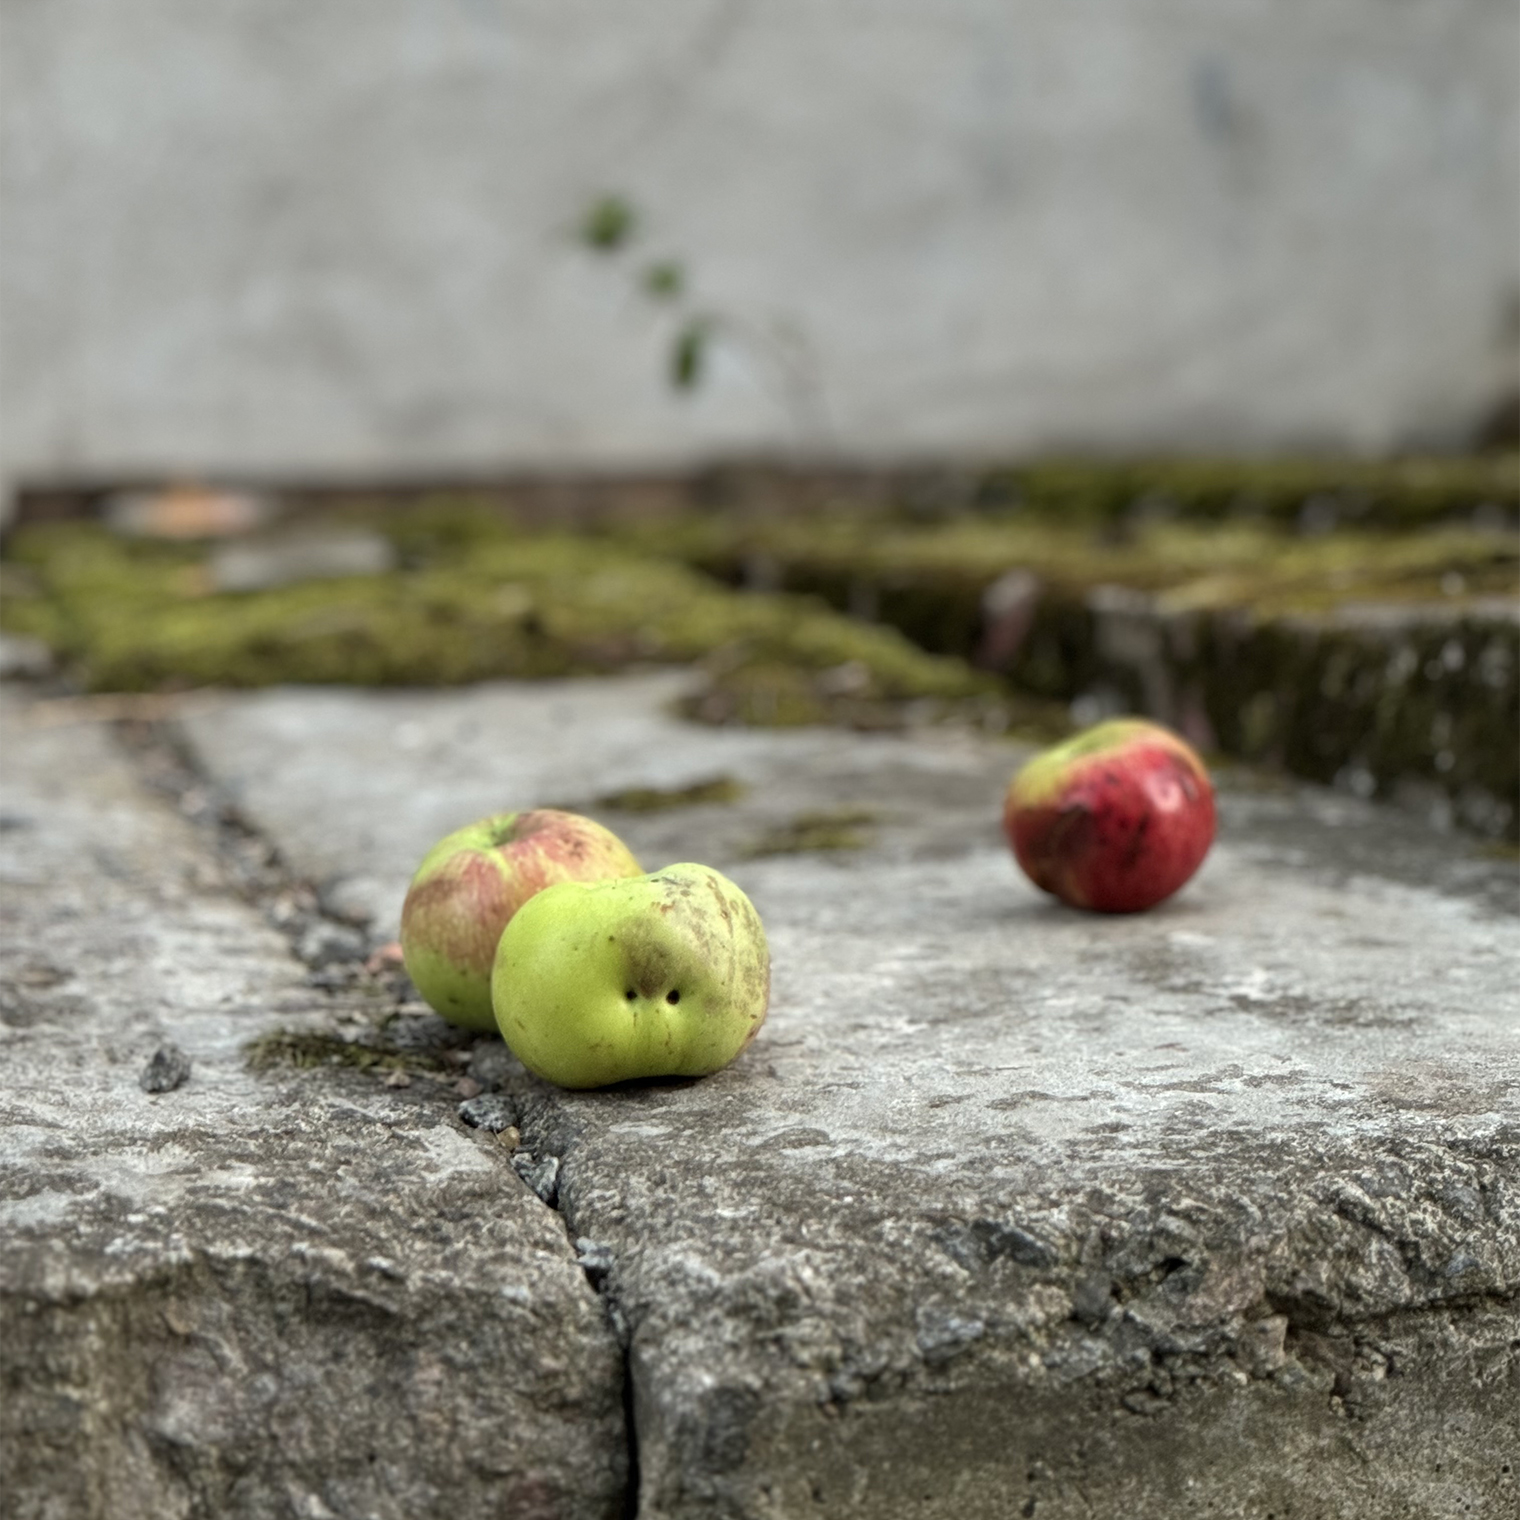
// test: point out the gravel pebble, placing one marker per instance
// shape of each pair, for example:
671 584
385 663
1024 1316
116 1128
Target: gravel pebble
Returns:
168 1067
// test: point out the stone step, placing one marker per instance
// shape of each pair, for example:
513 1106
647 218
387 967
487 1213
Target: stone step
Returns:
1009 1210
304 1294
1387 664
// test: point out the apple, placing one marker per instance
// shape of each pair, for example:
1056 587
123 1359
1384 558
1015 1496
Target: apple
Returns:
665 975
1115 819
471 883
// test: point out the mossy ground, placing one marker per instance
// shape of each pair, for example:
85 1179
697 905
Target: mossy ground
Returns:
307 1049
474 599
1238 615
852 560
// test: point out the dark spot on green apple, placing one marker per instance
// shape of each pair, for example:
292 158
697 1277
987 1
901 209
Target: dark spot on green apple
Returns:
672 996
504 829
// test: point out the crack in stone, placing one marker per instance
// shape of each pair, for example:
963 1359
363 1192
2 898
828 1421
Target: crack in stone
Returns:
255 869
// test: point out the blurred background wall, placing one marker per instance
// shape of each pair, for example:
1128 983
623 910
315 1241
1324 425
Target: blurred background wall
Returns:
439 238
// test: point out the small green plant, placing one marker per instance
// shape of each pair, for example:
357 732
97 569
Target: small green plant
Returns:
608 223
689 355
665 280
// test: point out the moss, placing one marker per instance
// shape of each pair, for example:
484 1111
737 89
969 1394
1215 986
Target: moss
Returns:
478 600
930 580
833 829
1429 706
656 799
368 1048
1242 630
306 1049
1306 492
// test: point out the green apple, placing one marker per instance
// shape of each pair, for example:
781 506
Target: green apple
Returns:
665 975
471 883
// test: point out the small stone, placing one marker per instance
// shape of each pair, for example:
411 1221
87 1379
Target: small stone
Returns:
596 1260
491 1063
23 658
468 1087
511 1137
315 554
542 1175
396 1079
490 1112
326 944
168 1067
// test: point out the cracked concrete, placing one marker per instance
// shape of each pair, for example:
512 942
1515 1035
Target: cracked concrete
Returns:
1010 1210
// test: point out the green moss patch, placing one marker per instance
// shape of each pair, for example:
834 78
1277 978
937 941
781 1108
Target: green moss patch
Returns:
474 601
930 581
1301 493
658 799
830 829
1271 609
304 1050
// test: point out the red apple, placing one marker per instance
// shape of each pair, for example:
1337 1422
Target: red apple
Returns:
471 883
1115 819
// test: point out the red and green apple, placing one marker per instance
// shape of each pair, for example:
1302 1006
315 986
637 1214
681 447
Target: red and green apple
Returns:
471 884
1114 819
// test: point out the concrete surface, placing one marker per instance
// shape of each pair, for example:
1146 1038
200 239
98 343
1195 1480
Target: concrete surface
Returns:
1008 1211
324 242
244 1297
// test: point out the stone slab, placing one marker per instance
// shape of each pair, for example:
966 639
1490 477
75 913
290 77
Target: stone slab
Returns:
303 1296
1010 1210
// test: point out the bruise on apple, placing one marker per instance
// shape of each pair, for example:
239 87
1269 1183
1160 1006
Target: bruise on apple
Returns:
453 911
461 905
715 950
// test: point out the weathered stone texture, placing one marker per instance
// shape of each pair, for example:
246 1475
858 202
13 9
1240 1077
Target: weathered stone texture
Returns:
245 1297
1010 1210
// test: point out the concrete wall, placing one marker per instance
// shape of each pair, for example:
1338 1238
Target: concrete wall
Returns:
323 241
